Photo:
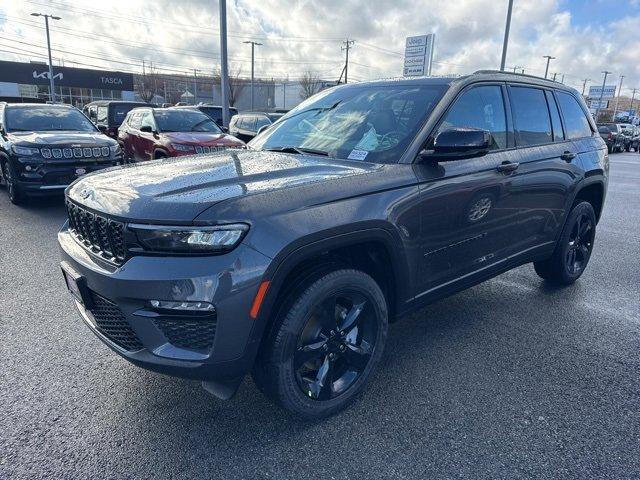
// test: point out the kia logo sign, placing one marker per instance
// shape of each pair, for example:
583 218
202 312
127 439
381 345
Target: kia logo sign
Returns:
45 75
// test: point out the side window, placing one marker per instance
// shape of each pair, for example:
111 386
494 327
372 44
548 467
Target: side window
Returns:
147 120
530 116
261 121
250 123
102 115
481 108
556 124
134 121
575 120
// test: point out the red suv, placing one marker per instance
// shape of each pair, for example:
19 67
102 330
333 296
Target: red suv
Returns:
150 133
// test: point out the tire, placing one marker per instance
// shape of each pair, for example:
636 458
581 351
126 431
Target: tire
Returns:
319 356
16 196
574 247
158 155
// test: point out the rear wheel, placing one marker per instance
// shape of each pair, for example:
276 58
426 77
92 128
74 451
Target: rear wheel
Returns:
320 356
572 253
14 192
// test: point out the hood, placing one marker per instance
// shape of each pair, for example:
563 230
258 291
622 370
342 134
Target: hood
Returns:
176 190
61 138
200 138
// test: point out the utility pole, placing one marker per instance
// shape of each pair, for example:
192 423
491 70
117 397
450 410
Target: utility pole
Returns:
584 85
554 76
549 58
506 36
615 110
562 81
633 97
347 46
52 92
224 73
604 82
253 46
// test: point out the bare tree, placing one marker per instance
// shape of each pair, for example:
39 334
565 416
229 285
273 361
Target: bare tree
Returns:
310 83
146 85
236 85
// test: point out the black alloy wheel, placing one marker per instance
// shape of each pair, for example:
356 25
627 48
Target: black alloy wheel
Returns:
580 244
574 247
325 343
13 191
335 346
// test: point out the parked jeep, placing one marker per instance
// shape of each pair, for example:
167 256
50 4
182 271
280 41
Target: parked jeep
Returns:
366 202
43 148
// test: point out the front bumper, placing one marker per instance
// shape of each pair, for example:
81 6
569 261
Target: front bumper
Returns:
55 177
126 322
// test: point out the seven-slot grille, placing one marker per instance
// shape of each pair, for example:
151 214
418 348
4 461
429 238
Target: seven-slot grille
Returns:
76 152
206 149
103 236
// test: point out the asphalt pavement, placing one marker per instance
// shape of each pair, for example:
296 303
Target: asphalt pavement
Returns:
510 379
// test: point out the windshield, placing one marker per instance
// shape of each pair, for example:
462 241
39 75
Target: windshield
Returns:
119 111
184 121
46 118
375 123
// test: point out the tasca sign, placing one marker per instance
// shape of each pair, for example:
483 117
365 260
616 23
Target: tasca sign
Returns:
418 55
38 74
609 91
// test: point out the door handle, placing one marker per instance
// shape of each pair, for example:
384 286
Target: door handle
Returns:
506 166
568 156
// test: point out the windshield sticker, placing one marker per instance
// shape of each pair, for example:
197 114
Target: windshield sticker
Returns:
357 155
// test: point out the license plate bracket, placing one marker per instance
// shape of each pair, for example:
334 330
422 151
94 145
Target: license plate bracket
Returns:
76 284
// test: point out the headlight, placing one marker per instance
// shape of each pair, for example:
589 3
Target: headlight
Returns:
182 148
25 150
217 239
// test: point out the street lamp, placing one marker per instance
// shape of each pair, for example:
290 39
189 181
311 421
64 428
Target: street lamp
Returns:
506 36
46 24
253 46
549 58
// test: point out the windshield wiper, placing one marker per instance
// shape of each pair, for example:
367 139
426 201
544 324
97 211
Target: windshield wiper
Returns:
315 109
300 150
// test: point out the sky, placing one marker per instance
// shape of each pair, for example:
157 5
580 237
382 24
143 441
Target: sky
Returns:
586 37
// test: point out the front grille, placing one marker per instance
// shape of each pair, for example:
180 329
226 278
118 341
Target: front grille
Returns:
207 149
85 152
111 322
103 236
190 333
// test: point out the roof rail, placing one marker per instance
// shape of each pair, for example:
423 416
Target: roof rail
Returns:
513 73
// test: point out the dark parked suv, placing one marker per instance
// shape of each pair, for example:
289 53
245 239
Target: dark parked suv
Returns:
43 148
246 126
366 202
108 115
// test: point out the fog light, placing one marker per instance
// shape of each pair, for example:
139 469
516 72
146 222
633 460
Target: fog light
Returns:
182 306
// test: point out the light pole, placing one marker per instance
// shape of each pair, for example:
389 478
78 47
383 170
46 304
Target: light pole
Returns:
506 36
546 70
253 46
52 93
604 82
224 73
615 110
195 86
584 85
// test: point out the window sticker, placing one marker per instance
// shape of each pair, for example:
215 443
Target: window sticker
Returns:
357 155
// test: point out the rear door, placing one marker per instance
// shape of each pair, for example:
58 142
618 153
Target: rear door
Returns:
548 166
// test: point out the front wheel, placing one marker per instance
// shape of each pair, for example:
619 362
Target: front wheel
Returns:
573 251
320 356
13 189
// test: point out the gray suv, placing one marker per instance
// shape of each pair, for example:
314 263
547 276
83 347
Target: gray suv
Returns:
368 201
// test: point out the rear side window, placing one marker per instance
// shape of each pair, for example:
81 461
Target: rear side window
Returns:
480 108
575 120
556 124
531 116
102 115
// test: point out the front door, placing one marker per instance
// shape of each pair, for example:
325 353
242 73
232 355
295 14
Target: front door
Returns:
146 140
469 217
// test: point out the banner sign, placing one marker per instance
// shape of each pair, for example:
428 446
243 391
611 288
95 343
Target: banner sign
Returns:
609 91
38 74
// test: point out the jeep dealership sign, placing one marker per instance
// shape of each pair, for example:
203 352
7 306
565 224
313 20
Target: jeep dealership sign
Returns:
38 74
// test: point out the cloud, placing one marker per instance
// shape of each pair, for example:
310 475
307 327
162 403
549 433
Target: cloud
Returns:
307 35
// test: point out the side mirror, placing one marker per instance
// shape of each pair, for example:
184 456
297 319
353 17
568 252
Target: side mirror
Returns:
146 129
459 143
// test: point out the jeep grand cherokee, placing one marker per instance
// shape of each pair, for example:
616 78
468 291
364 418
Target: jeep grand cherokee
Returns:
364 203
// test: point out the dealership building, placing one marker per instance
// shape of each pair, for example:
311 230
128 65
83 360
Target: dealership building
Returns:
29 82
